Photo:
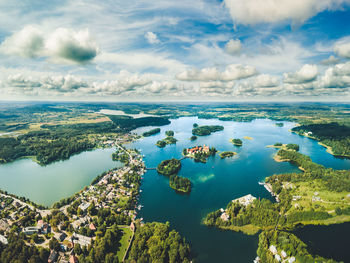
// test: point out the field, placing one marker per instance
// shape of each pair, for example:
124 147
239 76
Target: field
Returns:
124 242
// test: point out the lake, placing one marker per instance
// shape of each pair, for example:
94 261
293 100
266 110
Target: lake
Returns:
219 180
46 185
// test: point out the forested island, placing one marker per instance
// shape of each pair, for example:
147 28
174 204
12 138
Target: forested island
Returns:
227 154
169 167
151 132
334 136
193 138
181 184
237 142
168 140
206 129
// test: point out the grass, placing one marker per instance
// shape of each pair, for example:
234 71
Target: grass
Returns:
247 229
124 242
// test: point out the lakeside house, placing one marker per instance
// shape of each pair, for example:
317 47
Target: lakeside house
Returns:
83 241
3 240
245 200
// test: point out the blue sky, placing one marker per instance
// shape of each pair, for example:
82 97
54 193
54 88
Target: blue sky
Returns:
175 50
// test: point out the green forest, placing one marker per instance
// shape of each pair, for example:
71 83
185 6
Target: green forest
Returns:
181 184
237 142
206 130
155 242
334 135
151 132
169 167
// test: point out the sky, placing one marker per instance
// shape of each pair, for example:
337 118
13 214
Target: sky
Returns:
166 50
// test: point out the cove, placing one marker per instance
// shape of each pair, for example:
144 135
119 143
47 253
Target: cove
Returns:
219 180
46 185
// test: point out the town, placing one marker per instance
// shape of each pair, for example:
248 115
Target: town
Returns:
75 223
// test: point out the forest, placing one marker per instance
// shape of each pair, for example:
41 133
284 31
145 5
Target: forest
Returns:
151 132
290 244
127 123
334 135
155 242
169 167
206 130
179 183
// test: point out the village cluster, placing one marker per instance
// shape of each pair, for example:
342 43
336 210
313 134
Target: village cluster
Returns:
115 191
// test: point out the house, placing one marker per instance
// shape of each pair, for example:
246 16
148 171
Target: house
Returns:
283 254
53 256
84 206
83 241
46 228
3 240
224 217
3 224
273 249
30 230
245 200
291 260
278 257
73 259
92 227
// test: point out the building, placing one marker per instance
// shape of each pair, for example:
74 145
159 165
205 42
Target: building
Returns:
53 256
224 217
291 260
3 224
73 259
3 240
84 206
283 254
62 237
278 257
273 249
30 230
83 241
197 149
245 200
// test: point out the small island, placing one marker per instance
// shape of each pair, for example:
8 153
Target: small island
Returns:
166 141
279 124
193 138
199 153
237 142
227 154
169 167
169 133
180 184
206 130
151 132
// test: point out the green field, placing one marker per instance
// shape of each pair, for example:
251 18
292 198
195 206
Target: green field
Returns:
124 242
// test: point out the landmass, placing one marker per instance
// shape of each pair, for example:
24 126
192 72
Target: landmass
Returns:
199 153
151 132
168 140
206 130
227 154
181 184
237 142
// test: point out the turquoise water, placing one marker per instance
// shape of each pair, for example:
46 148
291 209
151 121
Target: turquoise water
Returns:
48 184
218 181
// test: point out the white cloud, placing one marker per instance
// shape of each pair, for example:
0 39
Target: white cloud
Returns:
152 38
233 47
306 74
28 42
336 77
342 49
265 80
330 61
61 45
231 72
250 12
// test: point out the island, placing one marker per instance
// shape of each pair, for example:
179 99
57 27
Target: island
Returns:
199 153
193 138
227 154
237 142
206 130
169 133
151 132
279 124
180 184
169 167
